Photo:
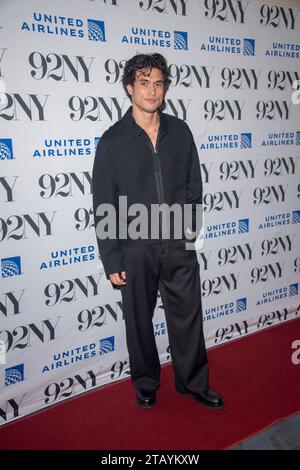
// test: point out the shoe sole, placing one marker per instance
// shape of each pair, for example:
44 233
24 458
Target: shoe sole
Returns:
145 407
209 407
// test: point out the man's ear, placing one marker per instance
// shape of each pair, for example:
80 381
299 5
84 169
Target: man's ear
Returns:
129 89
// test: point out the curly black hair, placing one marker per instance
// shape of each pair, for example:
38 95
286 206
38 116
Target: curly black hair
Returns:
144 62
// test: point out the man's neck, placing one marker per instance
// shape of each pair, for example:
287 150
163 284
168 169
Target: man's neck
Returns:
147 121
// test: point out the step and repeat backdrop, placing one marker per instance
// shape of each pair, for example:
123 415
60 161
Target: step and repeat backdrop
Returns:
235 81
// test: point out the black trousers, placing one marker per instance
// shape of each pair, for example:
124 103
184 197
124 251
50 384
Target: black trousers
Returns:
172 269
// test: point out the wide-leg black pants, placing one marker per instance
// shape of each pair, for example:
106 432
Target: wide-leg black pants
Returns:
172 269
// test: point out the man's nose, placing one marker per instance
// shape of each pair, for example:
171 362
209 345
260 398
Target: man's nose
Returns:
152 88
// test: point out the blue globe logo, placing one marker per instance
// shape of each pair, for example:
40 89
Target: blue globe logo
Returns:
13 376
106 346
4 152
249 47
179 41
9 268
95 32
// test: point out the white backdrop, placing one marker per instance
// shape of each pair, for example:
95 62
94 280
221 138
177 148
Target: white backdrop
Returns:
233 66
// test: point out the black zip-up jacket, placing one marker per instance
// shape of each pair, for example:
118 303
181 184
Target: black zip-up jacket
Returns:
126 164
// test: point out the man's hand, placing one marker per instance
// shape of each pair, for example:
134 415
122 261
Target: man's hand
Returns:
118 279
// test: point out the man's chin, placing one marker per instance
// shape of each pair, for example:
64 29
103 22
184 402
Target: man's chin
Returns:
152 108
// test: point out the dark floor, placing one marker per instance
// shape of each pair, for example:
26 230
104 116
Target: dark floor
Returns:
284 435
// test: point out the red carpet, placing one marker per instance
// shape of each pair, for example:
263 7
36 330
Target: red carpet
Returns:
255 375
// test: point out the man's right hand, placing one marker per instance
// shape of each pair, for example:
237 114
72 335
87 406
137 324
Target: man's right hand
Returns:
117 280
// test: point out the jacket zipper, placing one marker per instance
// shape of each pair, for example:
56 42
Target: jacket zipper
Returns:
158 178
157 171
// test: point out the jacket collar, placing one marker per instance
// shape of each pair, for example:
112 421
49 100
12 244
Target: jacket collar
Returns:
134 130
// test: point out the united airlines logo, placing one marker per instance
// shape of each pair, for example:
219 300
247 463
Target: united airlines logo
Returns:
243 226
14 374
249 47
281 139
96 30
107 345
181 40
283 50
156 38
229 45
69 255
6 149
278 294
59 25
227 141
241 305
225 309
160 329
246 140
293 289
295 217
70 356
223 229
64 147
270 221
11 266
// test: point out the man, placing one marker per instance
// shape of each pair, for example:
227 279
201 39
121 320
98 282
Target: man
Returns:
151 158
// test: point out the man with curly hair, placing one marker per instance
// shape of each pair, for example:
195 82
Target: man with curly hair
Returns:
151 158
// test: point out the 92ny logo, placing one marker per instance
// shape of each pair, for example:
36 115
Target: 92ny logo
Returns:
226 10
21 227
60 67
16 106
278 17
178 7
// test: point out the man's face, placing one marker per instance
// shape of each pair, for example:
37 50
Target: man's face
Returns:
147 92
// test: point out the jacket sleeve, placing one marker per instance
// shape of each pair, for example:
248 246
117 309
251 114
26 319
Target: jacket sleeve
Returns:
105 191
195 189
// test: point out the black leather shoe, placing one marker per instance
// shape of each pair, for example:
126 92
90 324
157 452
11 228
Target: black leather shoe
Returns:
146 398
210 399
